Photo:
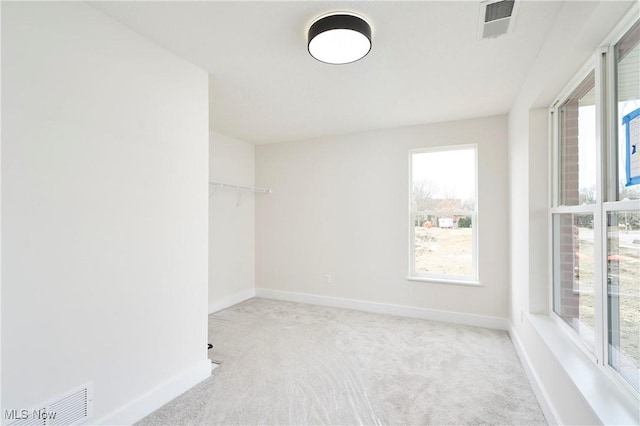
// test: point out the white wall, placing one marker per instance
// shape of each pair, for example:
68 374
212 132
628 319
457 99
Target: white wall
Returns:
550 365
104 213
1 72
340 206
231 222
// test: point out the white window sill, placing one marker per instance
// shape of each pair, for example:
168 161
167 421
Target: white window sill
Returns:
444 281
610 402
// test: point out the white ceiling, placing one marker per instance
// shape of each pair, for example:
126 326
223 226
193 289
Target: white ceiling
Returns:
426 64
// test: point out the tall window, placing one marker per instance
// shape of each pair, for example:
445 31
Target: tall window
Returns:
443 214
595 212
573 219
622 217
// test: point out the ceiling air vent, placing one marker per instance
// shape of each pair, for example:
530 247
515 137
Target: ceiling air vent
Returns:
496 18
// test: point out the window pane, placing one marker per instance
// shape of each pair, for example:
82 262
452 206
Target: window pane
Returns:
444 245
623 289
573 266
627 53
443 196
444 180
577 175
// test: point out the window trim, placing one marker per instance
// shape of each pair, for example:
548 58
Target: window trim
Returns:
413 275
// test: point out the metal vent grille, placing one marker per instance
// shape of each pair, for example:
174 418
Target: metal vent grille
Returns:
25 417
72 408
496 18
499 10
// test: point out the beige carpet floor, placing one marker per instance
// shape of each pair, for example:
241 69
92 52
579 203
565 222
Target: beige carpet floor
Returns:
286 363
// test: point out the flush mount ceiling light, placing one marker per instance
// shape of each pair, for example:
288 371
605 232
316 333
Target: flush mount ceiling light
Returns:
339 38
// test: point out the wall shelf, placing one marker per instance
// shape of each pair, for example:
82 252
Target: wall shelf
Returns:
240 187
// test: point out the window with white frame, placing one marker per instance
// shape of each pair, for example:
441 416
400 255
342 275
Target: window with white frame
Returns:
595 209
443 214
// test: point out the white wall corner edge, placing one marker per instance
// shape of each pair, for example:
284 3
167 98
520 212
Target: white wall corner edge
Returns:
232 299
546 404
157 397
387 308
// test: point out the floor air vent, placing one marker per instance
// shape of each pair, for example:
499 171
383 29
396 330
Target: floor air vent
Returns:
496 18
72 408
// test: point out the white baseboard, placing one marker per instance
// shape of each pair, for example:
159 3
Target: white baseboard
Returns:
548 409
233 299
387 308
157 397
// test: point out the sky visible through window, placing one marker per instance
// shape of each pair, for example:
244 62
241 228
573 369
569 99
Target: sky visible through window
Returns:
587 147
587 143
453 171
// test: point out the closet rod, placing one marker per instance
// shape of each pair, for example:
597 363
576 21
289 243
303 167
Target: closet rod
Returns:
243 187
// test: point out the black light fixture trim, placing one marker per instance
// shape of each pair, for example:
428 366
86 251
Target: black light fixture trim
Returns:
339 21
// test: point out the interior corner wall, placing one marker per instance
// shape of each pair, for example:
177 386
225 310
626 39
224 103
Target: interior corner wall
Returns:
104 213
528 209
518 213
538 209
231 222
1 399
340 206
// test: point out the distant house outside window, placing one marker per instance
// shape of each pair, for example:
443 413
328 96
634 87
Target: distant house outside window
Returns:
443 220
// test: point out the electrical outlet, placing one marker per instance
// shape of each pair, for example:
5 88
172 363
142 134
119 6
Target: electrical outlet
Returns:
328 279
